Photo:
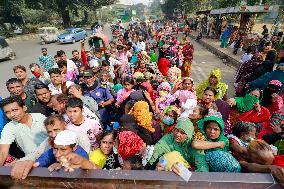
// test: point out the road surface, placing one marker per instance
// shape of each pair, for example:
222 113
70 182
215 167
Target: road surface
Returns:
29 51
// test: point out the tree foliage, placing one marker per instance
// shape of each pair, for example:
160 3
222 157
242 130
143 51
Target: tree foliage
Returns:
64 8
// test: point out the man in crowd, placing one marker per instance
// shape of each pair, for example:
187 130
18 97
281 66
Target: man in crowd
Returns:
43 95
16 88
26 129
53 124
101 95
46 61
28 83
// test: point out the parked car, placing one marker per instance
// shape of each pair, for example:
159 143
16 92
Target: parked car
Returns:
71 35
5 50
48 34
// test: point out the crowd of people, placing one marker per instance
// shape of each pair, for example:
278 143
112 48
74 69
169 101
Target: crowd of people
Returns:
133 106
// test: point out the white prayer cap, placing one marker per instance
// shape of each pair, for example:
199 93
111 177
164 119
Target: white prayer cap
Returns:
66 138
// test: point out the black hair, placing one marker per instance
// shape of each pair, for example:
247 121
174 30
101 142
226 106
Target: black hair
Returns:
243 127
130 103
128 80
60 53
135 162
105 63
74 103
203 110
75 51
62 63
40 86
12 99
106 133
209 88
12 81
43 49
51 119
54 71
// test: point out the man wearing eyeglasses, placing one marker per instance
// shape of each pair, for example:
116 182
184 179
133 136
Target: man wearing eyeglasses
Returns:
46 61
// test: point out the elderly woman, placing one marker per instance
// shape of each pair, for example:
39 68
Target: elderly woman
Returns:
179 141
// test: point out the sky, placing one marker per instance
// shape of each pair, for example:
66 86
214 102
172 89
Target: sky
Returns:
130 2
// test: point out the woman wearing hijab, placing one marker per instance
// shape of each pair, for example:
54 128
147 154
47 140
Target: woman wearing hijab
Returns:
214 81
179 140
216 145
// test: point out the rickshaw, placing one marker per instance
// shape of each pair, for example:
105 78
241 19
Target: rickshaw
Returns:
98 41
48 34
5 50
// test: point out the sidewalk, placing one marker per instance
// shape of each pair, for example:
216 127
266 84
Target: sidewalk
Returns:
213 45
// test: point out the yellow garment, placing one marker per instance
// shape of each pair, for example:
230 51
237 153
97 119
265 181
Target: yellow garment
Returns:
174 157
98 157
142 115
221 88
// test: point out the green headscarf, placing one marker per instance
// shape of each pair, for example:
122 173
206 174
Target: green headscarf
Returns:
221 88
246 103
167 144
117 87
222 137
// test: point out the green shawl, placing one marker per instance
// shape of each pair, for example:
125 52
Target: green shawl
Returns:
246 103
222 137
221 87
167 144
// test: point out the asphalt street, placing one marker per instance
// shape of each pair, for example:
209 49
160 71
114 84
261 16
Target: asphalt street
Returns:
28 52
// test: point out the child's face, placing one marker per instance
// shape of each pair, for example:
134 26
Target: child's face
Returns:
60 151
213 130
56 79
63 69
248 136
195 114
128 86
107 144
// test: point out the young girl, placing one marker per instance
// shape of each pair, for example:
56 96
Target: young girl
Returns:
122 94
162 102
106 156
169 118
243 133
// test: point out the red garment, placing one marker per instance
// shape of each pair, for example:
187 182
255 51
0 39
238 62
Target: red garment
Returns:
265 129
278 160
129 144
276 106
149 89
254 116
84 59
163 66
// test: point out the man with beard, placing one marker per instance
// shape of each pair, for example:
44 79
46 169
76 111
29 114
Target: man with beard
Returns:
27 130
53 124
76 59
43 95
16 88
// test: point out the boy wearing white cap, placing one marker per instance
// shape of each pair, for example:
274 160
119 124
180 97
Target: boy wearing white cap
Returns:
65 143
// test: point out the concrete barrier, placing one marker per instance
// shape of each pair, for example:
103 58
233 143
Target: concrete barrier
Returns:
113 179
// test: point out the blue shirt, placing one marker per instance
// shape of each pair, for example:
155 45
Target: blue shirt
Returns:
2 118
48 158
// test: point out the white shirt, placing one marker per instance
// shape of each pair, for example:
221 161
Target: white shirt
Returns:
245 57
141 45
55 91
113 62
71 66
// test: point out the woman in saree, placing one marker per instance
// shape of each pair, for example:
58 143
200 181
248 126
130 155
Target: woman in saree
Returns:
187 51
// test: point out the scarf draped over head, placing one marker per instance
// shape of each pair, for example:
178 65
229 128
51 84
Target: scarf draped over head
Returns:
129 144
164 86
222 137
142 115
221 88
246 103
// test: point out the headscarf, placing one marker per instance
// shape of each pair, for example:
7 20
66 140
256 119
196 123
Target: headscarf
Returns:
274 86
246 103
142 115
222 137
164 86
221 87
117 87
129 144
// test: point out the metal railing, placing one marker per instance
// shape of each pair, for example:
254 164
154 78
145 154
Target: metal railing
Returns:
42 178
